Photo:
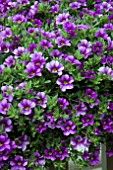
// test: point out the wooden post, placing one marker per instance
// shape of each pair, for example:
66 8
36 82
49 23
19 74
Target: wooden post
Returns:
110 163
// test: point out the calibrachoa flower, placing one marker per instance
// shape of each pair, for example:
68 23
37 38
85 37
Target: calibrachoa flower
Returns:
4 106
61 18
18 163
80 109
55 67
6 124
7 92
65 82
62 153
88 120
39 160
23 142
41 126
26 106
50 154
9 61
68 128
62 103
45 44
60 41
42 100
92 94
105 70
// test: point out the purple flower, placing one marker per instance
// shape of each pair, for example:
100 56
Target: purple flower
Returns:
106 6
37 59
39 160
18 163
79 143
6 124
110 106
71 59
94 159
31 48
1 68
80 109
55 67
110 18
106 123
9 61
89 75
21 85
68 128
6 33
60 41
32 70
75 5
4 106
41 126
17 52
4 142
88 120
50 154
45 44
56 53
61 18
54 8
108 26
42 100
101 33
7 92
18 18
65 82
62 103
23 142
62 153
37 22
69 26
26 106
91 93
105 70
97 47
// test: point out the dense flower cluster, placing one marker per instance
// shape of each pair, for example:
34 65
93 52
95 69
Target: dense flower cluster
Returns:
56 73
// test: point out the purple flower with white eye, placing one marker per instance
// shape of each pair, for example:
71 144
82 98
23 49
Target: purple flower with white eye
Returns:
32 70
79 143
37 59
45 44
65 82
55 67
41 126
80 109
6 124
105 6
101 33
62 103
4 47
61 18
9 61
94 159
19 18
23 142
84 43
110 18
68 128
97 47
39 160
37 22
62 153
7 92
26 106
56 53
108 27
17 52
4 106
71 59
105 70
23 2
60 41
4 142
89 75
69 26
88 120
106 123
31 48
1 68
54 8
18 163
50 154
6 33
91 93
42 100
74 5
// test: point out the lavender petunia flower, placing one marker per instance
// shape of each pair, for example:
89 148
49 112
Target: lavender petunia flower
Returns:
65 82
23 142
56 53
4 106
80 109
101 33
88 120
69 26
39 160
68 128
6 33
26 106
19 18
31 48
105 70
9 61
55 67
42 100
4 142
62 103
54 8
92 94
60 41
17 52
32 70
71 59
45 44
18 163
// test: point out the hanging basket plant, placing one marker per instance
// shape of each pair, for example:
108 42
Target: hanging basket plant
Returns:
56 74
